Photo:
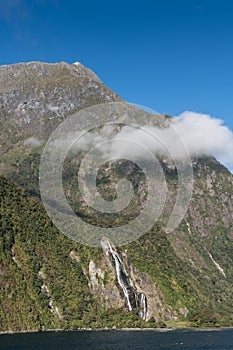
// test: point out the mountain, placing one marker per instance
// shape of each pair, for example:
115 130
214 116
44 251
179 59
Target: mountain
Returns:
35 96
49 281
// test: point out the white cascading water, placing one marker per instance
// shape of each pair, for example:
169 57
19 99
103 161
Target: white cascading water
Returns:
119 270
142 306
133 299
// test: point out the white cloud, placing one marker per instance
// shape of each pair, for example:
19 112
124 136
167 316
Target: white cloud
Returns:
190 133
205 135
202 135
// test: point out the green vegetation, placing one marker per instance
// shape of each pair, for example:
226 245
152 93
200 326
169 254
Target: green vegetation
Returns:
35 268
42 287
45 278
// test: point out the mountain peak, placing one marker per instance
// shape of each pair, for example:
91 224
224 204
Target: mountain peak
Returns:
39 95
42 69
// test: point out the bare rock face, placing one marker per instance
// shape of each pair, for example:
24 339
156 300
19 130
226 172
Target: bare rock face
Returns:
35 98
39 95
103 285
156 304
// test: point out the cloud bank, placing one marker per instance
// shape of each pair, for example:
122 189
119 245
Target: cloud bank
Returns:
190 133
205 135
201 134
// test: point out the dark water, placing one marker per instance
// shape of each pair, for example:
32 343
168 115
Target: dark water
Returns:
120 340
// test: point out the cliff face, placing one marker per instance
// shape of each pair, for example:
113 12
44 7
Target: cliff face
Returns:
49 281
38 95
35 97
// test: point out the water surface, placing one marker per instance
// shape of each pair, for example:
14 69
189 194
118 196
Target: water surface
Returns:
120 340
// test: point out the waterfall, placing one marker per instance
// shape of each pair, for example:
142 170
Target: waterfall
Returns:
122 276
142 306
134 300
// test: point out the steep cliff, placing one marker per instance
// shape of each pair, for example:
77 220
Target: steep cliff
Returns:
50 281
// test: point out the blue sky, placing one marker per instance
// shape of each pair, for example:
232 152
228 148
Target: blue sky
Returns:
169 55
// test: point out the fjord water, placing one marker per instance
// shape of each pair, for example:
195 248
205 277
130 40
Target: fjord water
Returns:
120 340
